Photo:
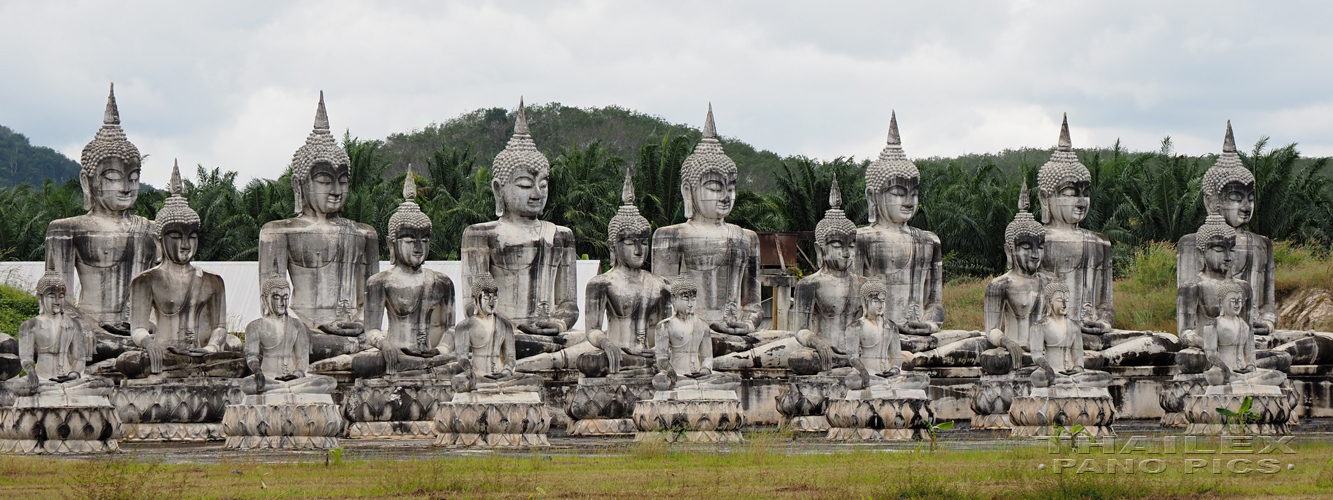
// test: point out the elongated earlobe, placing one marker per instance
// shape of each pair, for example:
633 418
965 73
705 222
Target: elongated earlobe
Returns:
499 199
688 198
871 213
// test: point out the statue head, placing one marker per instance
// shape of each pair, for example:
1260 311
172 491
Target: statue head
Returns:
1228 187
628 232
520 173
835 235
1024 238
109 171
1216 240
683 290
1064 185
177 223
409 228
874 296
51 293
321 170
1233 298
274 295
1057 298
893 183
708 177
484 293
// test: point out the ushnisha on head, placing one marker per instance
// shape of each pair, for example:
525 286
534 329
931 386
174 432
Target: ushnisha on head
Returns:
409 227
1228 187
892 181
109 172
1024 237
1064 184
708 177
835 235
520 173
627 233
274 285
177 223
320 169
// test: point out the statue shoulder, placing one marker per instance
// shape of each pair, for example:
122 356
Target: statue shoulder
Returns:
212 279
146 276
438 278
563 236
283 225
366 230
1094 235
667 232
68 224
481 229
927 236
652 281
28 325
378 279
749 235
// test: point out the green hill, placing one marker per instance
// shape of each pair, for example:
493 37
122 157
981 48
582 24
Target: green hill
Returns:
22 162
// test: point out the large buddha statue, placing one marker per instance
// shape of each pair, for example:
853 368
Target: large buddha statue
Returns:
723 258
1228 191
178 312
532 260
327 257
53 348
277 348
107 247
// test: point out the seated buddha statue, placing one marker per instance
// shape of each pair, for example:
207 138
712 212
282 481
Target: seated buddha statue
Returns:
683 346
107 247
53 348
1056 344
876 352
178 311
532 260
277 348
327 257
630 298
485 345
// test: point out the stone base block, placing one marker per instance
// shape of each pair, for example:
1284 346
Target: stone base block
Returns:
878 419
1173 396
995 393
814 424
808 396
283 425
194 402
606 401
58 447
407 429
394 407
497 423
997 422
58 430
281 443
1037 416
601 427
172 432
689 420
1200 412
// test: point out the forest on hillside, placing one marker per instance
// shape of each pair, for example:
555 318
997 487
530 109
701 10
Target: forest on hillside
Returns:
21 162
1137 197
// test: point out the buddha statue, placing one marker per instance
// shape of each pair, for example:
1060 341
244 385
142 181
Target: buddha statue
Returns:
630 298
1056 344
532 260
683 347
1214 314
327 257
1228 191
53 348
420 301
906 259
876 350
107 247
178 312
485 344
277 348
722 258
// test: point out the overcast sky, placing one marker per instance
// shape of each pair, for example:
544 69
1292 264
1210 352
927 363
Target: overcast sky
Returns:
234 85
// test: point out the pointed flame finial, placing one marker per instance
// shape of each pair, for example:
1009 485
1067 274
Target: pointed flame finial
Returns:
1229 144
521 122
1024 201
627 190
321 114
710 130
834 195
175 185
112 115
894 138
1065 143
409 185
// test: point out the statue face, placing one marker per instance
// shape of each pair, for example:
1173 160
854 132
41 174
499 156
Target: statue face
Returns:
53 301
838 251
897 202
632 249
486 302
684 303
1237 203
1059 303
1234 304
411 246
277 301
326 189
116 185
1217 256
1028 252
180 243
525 194
715 196
1069 202
874 305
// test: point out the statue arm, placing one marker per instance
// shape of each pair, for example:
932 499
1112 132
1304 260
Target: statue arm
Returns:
476 261
703 344
28 347
302 345
218 304
445 313
1187 309
662 345
752 297
1078 351
374 310
1268 302
1105 309
254 354
78 345
993 305
508 350
1037 341
372 256
895 345
804 308
272 254
666 257
594 304
60 258
141 296
933 303
565 308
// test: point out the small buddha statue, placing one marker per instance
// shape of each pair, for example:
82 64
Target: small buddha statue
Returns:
277 348
876 352
1228 191
1056 344
327 257
683 347
722 258
485 345
179 312
532 260
107 247
829 300
420 301
906 259
1013 301
1213 314
53 348
630 298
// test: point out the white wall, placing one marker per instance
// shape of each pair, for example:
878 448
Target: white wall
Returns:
242 281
